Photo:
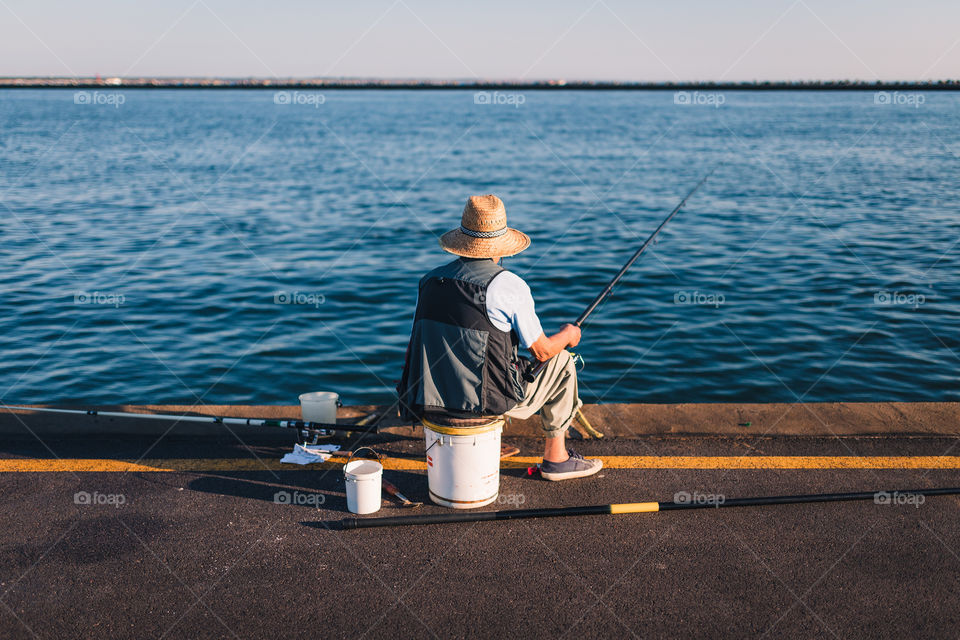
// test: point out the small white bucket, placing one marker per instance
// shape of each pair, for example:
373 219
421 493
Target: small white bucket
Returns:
319 406
463 465
364 483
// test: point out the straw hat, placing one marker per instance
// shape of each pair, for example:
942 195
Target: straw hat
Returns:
483 231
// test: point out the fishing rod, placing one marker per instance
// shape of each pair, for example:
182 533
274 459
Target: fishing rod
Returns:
880 497
532 373
305 428
609 288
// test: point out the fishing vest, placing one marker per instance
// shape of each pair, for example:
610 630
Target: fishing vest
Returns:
458 362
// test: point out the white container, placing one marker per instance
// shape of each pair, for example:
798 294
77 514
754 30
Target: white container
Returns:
463 465
319 406
364 484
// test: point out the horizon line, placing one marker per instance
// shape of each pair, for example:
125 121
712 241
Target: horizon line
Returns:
255 82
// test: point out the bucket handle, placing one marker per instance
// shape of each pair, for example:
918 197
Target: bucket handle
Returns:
354 453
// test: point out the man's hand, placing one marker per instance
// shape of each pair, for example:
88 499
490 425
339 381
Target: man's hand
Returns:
546 347
573 331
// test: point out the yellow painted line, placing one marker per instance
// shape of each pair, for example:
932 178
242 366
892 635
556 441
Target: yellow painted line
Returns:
75 465
35 465
781 462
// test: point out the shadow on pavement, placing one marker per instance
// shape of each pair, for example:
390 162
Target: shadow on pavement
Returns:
322 489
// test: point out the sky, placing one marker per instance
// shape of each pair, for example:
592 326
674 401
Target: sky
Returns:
682 40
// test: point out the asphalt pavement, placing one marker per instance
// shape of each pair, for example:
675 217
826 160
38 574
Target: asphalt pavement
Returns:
214 553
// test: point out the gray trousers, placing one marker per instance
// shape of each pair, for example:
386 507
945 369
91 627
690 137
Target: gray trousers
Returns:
553 393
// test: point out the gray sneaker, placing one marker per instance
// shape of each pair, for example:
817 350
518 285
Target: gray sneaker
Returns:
576 466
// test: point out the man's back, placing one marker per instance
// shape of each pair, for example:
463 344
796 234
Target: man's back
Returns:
458 359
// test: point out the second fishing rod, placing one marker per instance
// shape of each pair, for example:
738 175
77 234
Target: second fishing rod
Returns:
536 367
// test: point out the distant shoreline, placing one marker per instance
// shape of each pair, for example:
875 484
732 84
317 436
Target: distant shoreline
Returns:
553 85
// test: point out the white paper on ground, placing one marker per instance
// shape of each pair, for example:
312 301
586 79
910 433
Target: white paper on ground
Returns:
306 454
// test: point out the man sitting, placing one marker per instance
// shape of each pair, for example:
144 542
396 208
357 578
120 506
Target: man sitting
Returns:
472 315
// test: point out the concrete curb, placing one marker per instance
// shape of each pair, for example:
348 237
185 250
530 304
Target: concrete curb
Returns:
613 420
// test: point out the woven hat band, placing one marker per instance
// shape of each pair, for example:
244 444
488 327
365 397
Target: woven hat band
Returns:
483 234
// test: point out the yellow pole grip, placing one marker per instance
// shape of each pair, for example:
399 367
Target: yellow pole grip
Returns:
635 507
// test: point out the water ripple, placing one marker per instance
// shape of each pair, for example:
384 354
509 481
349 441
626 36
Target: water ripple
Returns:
214 245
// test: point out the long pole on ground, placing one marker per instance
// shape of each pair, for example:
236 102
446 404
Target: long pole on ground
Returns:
306 428
880 497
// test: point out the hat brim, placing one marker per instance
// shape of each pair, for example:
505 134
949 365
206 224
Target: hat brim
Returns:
460 244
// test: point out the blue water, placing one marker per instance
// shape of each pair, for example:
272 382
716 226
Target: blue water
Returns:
144 243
